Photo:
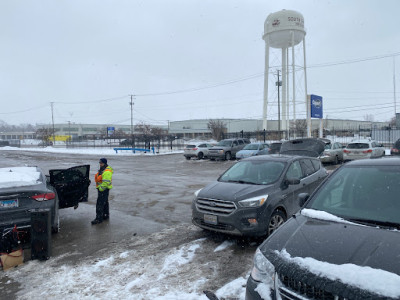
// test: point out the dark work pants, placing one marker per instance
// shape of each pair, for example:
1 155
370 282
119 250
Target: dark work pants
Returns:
102 206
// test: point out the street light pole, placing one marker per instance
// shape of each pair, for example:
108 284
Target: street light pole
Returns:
131 104
52 120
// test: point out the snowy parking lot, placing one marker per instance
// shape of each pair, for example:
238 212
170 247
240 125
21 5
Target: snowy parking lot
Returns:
148 250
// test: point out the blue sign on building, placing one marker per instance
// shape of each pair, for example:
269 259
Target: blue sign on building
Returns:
316 106
110 130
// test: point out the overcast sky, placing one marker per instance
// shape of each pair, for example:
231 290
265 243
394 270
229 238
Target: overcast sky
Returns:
187 59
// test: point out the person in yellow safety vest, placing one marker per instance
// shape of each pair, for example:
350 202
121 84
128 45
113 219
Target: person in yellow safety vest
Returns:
103 179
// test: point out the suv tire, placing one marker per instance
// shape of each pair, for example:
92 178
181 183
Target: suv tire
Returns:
228 156
277 219
200 155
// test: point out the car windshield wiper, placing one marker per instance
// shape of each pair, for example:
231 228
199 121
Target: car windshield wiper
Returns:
243 182
376 223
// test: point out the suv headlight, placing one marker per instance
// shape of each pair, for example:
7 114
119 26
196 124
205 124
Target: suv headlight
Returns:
196 193
254 202
221 151
263 270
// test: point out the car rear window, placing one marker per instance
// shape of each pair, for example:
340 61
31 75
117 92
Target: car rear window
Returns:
190 146
358 146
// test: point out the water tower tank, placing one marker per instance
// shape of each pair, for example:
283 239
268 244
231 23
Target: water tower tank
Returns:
279 27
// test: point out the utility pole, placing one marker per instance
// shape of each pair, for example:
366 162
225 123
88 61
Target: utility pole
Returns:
69 131
52 120
394 85
131 104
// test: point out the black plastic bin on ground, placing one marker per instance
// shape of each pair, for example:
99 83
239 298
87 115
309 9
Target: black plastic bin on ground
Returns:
40 234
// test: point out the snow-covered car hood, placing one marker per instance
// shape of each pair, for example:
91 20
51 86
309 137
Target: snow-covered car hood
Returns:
231 191
337 243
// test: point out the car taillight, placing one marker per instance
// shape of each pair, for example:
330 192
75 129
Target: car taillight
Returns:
346 151
194 149
367 151
44 197
394 150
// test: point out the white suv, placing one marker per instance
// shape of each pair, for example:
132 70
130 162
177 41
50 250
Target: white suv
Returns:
363 149
199 150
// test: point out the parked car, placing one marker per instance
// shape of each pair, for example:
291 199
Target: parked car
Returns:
312 147
127 142
256 195
23 189
274 148
333 153
363 149
341 245
227 149
199 150
252 150
395 150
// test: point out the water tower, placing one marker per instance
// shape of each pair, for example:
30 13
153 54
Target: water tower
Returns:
283 30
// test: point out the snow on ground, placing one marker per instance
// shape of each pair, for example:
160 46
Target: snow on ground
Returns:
131 271
95 151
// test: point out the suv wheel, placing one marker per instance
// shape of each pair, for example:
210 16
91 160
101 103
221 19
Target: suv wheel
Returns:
228 156
200 155
187 157
276 220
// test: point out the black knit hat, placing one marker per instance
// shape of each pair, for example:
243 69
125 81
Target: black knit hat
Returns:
103 160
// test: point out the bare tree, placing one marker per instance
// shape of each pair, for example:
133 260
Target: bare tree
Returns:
300 126
45 134
392 122
217 128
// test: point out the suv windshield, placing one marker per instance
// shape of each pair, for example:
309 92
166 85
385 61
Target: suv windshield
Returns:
254 172
368 194
225 143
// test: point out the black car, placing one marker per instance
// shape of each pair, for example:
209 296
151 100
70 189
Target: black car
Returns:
23 189
312 147
274 148
343 244
395 150
256 195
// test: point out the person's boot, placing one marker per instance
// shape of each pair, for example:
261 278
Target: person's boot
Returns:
96 221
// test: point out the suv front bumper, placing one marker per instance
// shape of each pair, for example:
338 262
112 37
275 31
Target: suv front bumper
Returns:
236 223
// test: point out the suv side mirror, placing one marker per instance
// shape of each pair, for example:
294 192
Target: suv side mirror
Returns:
302 198
291 181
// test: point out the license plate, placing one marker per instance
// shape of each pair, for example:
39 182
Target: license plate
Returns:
211 219
9 203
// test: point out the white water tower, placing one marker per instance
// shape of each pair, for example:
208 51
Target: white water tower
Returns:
284 30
